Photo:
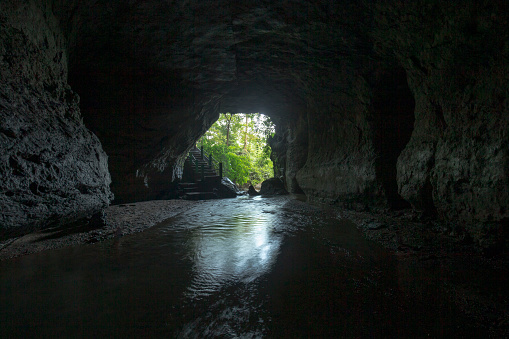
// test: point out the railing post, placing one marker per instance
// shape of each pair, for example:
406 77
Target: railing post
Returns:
202 172
210 160
195 164
221 170
202 152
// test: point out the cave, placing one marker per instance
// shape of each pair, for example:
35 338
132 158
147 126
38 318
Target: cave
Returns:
102 101
393 106
367 117
389 107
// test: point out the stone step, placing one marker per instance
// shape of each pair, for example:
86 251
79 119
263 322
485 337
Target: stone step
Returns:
205 163
206 169
187 184
206 172
210 178
205 166
190 189
200 196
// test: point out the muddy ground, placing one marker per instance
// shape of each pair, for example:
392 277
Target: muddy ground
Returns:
475 280
119 220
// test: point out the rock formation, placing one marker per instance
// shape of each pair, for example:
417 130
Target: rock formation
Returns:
273 186
52 167
252 191
377 105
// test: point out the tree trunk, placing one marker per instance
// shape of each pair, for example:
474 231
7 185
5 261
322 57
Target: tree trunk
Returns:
245 135
228 130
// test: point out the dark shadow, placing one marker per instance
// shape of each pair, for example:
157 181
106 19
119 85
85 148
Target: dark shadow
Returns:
56 228
393 105
12 233
79 226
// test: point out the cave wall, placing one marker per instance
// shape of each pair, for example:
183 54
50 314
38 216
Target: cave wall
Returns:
289 150
454 162
146 127
377 105
340 167
456 59
52 166
156 81
143 108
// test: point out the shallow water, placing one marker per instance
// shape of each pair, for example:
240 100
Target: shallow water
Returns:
245 267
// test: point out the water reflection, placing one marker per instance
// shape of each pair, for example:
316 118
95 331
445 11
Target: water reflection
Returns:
232 247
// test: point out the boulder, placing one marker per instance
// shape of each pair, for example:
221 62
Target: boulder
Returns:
252 191
273 186
227 189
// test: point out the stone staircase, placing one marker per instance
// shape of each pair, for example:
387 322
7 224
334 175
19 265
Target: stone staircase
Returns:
204 176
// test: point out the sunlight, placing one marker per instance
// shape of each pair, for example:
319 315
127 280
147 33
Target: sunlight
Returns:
239 141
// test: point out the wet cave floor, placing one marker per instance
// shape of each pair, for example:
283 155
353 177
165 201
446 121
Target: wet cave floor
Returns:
249 267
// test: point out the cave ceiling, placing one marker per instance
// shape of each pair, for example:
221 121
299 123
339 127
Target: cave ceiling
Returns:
255 56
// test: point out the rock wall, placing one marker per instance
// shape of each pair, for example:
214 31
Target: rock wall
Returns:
51 166
378 105
425 121
340 167
145 126
457 159
145 112
360 117
290 150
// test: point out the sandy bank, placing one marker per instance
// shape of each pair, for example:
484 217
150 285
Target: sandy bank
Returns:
120 220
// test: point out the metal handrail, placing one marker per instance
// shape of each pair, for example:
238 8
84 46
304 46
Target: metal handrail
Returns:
213 163
193 160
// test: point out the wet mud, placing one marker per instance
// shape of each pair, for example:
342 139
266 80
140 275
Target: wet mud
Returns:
250 267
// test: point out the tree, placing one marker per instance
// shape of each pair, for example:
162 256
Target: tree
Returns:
239 141
245 135
229 120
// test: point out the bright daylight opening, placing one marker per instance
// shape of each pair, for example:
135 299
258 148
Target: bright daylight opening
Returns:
239 142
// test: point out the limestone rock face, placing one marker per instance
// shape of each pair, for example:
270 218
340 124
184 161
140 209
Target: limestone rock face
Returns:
457 159
135 97
52 167
377 105
290 150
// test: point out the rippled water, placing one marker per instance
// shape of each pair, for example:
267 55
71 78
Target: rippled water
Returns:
245 267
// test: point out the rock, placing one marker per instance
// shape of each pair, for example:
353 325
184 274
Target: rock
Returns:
273 186
455 164
252 192
289 150
52 168
369 116
227 189
372 226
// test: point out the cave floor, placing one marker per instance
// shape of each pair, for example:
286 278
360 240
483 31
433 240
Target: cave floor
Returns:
121 220
253 267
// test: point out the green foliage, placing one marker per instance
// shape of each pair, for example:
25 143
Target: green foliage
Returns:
239 141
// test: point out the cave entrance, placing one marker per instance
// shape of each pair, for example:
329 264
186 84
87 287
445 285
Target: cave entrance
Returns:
393 105
239 142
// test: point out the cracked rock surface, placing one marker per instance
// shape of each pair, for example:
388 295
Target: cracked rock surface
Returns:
52 168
